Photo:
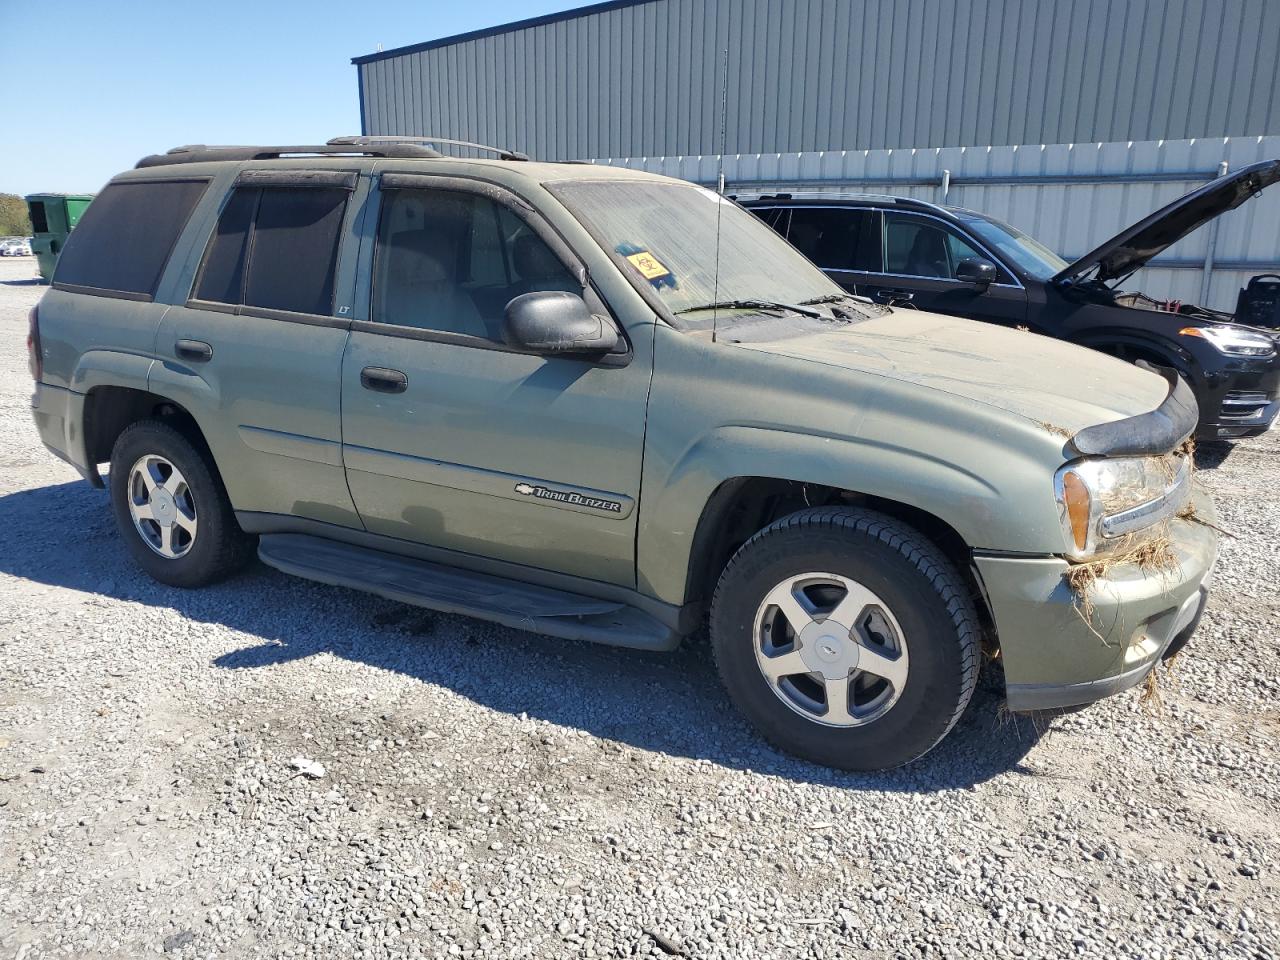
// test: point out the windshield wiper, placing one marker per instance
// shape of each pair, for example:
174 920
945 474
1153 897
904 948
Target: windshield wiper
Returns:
754 305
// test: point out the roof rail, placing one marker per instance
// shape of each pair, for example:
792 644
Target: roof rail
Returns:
502 152
198 152
817 196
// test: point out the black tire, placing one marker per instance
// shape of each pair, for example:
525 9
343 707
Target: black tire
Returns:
219 548
917 583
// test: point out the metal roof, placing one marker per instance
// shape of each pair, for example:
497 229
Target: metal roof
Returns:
500 29
647 77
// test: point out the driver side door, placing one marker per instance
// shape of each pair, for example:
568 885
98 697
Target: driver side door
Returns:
920 255
454 440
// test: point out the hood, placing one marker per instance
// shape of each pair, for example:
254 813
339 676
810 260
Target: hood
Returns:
1130 249
1045 380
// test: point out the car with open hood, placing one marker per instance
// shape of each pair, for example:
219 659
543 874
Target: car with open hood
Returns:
605 405
913 254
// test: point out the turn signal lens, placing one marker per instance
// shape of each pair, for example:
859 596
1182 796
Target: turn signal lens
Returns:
1075 495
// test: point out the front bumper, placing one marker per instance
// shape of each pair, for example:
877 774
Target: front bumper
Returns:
1055 656
1241 401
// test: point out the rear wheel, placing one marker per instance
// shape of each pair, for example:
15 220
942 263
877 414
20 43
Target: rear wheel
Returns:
171 508
846 638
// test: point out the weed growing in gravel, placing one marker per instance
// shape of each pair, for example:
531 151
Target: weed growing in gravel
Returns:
1151 699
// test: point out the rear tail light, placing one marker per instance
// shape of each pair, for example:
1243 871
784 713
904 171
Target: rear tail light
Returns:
35 359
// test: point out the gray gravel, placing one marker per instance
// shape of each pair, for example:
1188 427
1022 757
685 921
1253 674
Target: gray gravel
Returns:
276 768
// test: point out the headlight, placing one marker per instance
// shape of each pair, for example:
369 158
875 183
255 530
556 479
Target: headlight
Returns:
1233 341
1106 504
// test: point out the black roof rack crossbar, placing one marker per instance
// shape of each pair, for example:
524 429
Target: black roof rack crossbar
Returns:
199 152
502 152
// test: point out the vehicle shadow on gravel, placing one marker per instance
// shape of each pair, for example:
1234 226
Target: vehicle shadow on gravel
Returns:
1211 454
63 536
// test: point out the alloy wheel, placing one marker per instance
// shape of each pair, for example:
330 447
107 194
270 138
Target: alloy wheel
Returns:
162 507
830 649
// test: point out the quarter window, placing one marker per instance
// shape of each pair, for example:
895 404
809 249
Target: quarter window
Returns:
275 248
917 247
124 239
222 280
837 238
451 261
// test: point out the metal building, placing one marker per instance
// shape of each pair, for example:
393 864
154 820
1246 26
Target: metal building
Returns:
1068 118
642 78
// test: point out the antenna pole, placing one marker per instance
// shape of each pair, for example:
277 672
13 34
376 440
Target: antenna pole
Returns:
724 109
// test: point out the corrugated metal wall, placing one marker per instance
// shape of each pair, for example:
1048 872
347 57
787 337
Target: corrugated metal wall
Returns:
808 75
1071 197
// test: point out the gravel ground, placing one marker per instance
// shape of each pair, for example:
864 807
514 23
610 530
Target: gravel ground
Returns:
488 793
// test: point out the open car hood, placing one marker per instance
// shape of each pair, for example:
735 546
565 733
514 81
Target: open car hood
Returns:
1132 248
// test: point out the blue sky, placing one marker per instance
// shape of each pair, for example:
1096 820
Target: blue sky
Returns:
92 85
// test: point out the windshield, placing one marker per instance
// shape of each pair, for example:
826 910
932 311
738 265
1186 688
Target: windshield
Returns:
664 234
1031 256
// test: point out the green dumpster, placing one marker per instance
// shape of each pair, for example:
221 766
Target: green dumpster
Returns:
53 215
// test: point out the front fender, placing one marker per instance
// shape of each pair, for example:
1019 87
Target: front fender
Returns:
1007 509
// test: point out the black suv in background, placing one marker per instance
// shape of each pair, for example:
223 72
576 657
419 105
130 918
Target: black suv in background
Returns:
910 253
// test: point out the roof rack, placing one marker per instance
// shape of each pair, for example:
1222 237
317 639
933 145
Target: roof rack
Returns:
502 152
817 196
199 152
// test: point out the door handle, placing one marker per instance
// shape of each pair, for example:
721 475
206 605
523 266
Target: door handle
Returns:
197 351
384 380
888 296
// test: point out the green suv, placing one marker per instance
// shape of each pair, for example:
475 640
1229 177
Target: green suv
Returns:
610 406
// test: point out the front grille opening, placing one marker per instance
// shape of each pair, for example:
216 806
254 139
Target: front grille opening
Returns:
1244 404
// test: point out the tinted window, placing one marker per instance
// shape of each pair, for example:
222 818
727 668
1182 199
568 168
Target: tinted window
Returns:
837 239
125 236
275 248
222 278
295 249
918 247
451 262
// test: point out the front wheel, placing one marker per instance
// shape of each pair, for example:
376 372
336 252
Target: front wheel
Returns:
846 638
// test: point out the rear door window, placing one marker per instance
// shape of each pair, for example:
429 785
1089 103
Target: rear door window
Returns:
837 238
275 248
124 239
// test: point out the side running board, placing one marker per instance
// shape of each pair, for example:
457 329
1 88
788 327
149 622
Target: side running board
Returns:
522 606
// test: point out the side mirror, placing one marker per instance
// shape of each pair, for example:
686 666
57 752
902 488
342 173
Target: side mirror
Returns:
552 322
981 273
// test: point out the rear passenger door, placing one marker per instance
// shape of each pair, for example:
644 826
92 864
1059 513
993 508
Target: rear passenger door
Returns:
255 351
843 241
454 440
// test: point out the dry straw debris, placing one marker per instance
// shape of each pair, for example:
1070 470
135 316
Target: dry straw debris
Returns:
1154 555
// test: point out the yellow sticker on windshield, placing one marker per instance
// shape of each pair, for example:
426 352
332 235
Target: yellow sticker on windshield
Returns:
650 267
